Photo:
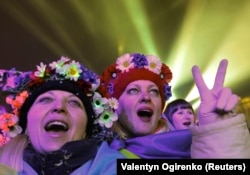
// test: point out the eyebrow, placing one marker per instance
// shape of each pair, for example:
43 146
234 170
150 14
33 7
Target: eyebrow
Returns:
137 85
52 93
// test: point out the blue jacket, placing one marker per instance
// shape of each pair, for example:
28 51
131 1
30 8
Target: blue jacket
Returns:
104 163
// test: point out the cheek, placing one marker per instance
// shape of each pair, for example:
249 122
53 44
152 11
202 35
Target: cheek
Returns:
157 105
124 114
158 109
159 101
34 117
34 125
33 128
80 121
192 118
176 118
36 111
121 107
125 110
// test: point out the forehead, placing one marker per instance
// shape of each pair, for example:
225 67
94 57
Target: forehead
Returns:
58 92
183 108
142 83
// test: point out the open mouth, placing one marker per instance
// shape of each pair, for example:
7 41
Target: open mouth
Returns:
145 114
187 123
56 126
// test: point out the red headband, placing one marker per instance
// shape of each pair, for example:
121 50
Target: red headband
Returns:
132 67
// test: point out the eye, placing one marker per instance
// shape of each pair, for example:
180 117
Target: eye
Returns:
180 112
190 112
75 103
133 91
45 99
154 92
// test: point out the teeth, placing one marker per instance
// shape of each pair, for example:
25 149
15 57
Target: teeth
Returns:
56 126
57 123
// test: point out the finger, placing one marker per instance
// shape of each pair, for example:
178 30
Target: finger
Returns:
222 98
232 103
198 79
220 76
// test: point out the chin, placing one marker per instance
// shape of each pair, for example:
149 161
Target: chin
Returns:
143 133
54 147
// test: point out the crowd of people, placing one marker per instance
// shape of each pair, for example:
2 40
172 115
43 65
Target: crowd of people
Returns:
66 119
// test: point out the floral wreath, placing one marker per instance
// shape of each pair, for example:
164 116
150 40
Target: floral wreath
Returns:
17 84
127 62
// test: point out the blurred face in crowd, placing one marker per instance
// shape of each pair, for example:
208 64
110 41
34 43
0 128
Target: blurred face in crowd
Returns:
55 118
183 118
140 107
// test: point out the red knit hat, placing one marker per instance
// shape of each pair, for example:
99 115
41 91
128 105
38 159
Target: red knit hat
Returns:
132 67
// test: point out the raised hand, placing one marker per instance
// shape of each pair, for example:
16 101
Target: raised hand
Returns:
217 102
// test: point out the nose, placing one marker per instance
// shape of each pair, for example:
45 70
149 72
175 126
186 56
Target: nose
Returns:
58 110
59 107
145 97
188 116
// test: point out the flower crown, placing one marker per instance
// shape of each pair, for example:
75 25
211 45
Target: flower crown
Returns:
131 62
17 84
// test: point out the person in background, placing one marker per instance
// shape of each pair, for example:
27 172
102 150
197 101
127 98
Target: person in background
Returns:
140 83
179 115
52 127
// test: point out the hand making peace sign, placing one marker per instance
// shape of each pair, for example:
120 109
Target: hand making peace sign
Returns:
215 102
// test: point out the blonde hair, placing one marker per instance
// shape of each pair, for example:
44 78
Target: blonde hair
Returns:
124 134
12 153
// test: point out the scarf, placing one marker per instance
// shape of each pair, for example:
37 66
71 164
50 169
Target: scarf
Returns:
63 161
165 145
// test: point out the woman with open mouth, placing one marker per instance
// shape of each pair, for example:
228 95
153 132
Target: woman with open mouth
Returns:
141 85
179 115
52 127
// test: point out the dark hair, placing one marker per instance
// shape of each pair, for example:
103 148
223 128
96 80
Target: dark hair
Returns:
173 106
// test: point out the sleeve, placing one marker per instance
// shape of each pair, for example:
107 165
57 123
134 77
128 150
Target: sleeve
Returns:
7 170
227 138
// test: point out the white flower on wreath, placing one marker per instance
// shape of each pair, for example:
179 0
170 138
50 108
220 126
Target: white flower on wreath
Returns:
57 65
124 63
99 103
40 70
107 118
73 70
154 64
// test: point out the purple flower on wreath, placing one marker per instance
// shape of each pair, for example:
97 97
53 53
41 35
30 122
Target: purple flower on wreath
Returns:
110 88
13 80
91 77
167 91
139 60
